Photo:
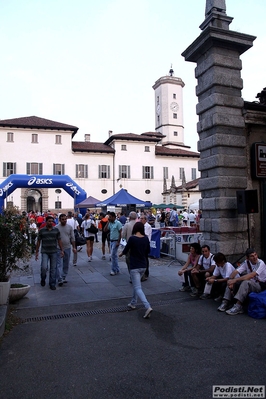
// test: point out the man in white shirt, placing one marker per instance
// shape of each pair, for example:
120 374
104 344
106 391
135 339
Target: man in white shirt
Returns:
251 275
217 283
148 233
75 225
204 269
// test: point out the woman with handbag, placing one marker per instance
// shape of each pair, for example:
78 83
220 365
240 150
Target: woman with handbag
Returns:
87 227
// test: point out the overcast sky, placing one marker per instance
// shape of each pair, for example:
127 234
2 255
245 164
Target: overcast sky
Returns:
92 63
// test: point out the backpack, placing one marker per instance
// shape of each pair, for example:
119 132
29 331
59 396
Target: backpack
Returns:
257 305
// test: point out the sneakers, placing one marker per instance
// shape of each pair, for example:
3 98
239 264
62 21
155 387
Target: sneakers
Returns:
60 284
205 296
194 291
185 288
103 257
74 264
236 309
52 287
147 313
131 306
89 259
218 299
224 306
112 273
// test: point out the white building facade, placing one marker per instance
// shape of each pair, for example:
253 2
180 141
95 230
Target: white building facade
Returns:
144 164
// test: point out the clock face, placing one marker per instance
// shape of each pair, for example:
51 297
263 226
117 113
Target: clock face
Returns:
174 106
158 109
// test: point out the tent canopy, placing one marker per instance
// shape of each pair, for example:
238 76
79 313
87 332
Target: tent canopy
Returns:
123 198
163 206
88 202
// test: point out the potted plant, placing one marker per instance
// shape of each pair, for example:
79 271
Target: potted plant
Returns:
14 248
18 291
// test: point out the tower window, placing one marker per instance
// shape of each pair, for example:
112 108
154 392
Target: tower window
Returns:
175 134
174 95
10 137
175 116
123 147
147 148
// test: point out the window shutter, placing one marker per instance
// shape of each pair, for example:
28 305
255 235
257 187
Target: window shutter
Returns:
120 171
63 168
77 171
108 171
86 172
53 168
128 172
4 169
151 172
99 172
15 167
40 168
28 168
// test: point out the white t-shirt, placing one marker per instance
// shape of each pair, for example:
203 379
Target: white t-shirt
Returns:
224 271
73 223
206 263
85 225
261 272
243 268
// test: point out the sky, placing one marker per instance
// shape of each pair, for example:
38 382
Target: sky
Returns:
92 63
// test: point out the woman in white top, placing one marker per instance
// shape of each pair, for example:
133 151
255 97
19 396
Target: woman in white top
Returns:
85 225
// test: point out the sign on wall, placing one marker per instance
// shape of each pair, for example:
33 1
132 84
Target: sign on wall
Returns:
258 160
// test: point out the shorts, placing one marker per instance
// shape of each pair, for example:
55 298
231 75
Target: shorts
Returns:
105 236
91 238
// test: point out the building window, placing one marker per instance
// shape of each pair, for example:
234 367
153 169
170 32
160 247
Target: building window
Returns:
165 172
34 138
34 168
124 172
181 173
147 148
175 134
193 173
58 205
104 172
158 119
123 147
9 168
158 100
58 169
147 172
58 139
174 95
81 171
10 137
175 116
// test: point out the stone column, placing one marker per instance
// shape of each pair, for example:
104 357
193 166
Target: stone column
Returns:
221 129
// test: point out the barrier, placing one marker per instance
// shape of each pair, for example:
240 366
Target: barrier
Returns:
178 240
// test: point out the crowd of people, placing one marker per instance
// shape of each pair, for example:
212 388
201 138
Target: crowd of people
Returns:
209 276
203 276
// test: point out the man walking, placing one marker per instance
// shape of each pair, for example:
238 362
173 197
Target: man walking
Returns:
115 228
68 240
49 236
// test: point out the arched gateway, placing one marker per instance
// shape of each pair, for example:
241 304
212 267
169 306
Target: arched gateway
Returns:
41 181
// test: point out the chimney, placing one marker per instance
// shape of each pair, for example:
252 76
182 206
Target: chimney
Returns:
87 138
110 132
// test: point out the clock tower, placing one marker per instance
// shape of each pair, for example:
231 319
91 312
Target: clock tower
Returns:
169 109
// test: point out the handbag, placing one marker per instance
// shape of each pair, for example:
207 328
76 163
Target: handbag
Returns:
92 229
79 238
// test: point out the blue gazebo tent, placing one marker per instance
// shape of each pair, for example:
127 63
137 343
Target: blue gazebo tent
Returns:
122 198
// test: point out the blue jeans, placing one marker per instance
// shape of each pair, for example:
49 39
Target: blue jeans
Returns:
114 257
63 264
136 275
46 259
